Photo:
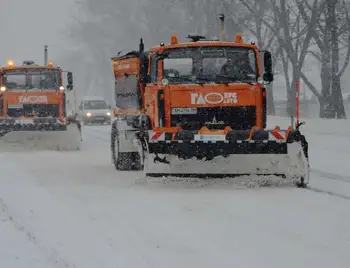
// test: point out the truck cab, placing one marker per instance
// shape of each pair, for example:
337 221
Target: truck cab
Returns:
33 97
201 83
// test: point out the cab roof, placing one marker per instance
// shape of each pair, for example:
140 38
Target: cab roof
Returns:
28 64
201 44
29 67
196 41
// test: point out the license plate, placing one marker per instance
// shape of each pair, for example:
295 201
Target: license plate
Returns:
25 122
184 111
15 106
210 137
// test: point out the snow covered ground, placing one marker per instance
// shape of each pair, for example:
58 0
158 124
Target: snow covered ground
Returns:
72 209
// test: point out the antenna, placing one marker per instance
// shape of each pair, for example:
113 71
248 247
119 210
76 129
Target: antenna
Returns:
196 38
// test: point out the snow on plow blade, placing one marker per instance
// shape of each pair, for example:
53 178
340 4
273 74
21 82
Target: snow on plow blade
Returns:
39 133
236 153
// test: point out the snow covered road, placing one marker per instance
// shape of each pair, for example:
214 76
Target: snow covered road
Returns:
72 209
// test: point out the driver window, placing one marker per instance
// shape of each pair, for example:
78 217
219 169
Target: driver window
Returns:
213 66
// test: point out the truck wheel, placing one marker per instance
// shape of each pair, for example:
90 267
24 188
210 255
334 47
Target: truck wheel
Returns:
124 161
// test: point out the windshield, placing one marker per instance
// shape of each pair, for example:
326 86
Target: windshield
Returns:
32 79
95 104
210 65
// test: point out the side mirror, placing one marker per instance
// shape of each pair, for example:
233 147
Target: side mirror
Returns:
70 81
268 75
268 62
109 107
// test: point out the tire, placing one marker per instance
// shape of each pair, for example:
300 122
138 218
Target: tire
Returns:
129 161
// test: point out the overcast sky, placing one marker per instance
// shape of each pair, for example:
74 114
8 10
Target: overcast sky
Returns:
27 25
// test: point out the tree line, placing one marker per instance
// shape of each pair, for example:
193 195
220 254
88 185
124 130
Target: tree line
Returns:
293 30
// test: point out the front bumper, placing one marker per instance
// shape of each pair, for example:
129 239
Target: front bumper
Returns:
229 155
203 149
97 118
284 159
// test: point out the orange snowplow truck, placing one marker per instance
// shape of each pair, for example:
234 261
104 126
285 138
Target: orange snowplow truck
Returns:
199 109
33 98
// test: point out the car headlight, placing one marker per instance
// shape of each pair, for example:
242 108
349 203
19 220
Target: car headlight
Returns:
108 113
3 89
88 114
62 88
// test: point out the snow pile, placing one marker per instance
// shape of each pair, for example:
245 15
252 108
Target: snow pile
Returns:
42 140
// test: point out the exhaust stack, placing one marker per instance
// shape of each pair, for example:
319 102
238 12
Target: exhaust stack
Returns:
46 57
222 27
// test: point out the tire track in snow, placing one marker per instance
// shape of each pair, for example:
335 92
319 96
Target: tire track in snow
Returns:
331 176
330 193
94 134
49 254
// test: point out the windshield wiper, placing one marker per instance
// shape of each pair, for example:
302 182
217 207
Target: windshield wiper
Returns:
233 79
207 79
181 79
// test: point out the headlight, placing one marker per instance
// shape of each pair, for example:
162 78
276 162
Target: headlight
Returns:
61 88
88 114
165 82
108 113
3 88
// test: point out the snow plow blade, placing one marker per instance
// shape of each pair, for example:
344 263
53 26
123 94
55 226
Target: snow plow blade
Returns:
39 134
236 153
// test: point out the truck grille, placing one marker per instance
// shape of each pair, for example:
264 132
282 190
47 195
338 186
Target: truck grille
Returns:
238 118
29 110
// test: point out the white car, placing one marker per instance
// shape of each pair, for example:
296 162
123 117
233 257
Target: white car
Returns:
94 110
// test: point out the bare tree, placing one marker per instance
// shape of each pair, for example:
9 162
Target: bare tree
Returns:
333 30
294 39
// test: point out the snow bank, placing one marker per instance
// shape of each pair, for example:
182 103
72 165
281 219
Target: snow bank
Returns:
329 142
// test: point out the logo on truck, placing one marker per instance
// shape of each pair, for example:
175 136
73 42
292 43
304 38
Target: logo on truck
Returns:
33 99
214 98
